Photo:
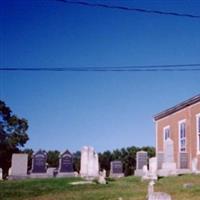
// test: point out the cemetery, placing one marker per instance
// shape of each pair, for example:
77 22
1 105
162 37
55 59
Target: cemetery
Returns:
148 182
161 175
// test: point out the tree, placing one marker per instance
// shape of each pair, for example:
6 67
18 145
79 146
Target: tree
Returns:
53 158
149 150
13 135
76 161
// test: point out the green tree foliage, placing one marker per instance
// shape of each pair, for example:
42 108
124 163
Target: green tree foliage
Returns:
76 161
13 135
53 158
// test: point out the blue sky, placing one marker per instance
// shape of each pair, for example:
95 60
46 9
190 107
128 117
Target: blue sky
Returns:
67 110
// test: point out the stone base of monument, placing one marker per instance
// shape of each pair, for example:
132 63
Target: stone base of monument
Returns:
168 169
18 177
149 177
52 171
138 172
115 175
184 171
65 174
90 178
39 175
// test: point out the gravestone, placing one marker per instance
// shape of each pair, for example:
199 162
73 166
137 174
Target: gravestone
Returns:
51 171
89 163
9 171
194 165
1 174
19 166
168 166
153 168
116 169
39 166
145 173
141 160
102 176
66 164
169 151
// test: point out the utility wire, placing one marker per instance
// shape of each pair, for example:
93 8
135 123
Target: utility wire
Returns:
124 8
142 68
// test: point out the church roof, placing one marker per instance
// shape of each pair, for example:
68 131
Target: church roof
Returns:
178 107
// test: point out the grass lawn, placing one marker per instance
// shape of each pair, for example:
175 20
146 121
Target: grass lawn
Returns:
129 188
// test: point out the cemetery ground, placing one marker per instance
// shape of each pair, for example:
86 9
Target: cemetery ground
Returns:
128 188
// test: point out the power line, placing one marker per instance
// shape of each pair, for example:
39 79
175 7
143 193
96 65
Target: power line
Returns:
141 68
124 8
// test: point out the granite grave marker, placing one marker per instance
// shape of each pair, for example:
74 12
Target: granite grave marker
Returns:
39 162
19 166
141 160
116 169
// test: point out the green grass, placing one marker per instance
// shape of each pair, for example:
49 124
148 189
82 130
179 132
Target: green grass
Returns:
129 188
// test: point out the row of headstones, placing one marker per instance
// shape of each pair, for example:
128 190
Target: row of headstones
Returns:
162 165
142 163
89 163
19 166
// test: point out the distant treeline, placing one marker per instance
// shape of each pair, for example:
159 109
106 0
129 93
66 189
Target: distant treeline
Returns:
126 155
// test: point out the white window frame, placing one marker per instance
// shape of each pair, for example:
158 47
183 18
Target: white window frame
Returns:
164 129
198 132
179 136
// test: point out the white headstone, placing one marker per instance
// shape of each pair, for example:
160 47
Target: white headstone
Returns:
153 168
9 171
194 165
101 178
19 165
169 151
145 173
168 166
89 162
1 174
84 161
51 171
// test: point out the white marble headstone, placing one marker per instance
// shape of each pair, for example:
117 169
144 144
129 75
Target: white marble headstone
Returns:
169 151
153 168
168 166
19 164
1 174
145 175
194 165
89 162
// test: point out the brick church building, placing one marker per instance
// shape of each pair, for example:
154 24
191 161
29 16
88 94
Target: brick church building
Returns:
180 123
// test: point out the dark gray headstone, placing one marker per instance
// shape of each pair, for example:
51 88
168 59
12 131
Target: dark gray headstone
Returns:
142 158
184 160
39 160
116 167
66 162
